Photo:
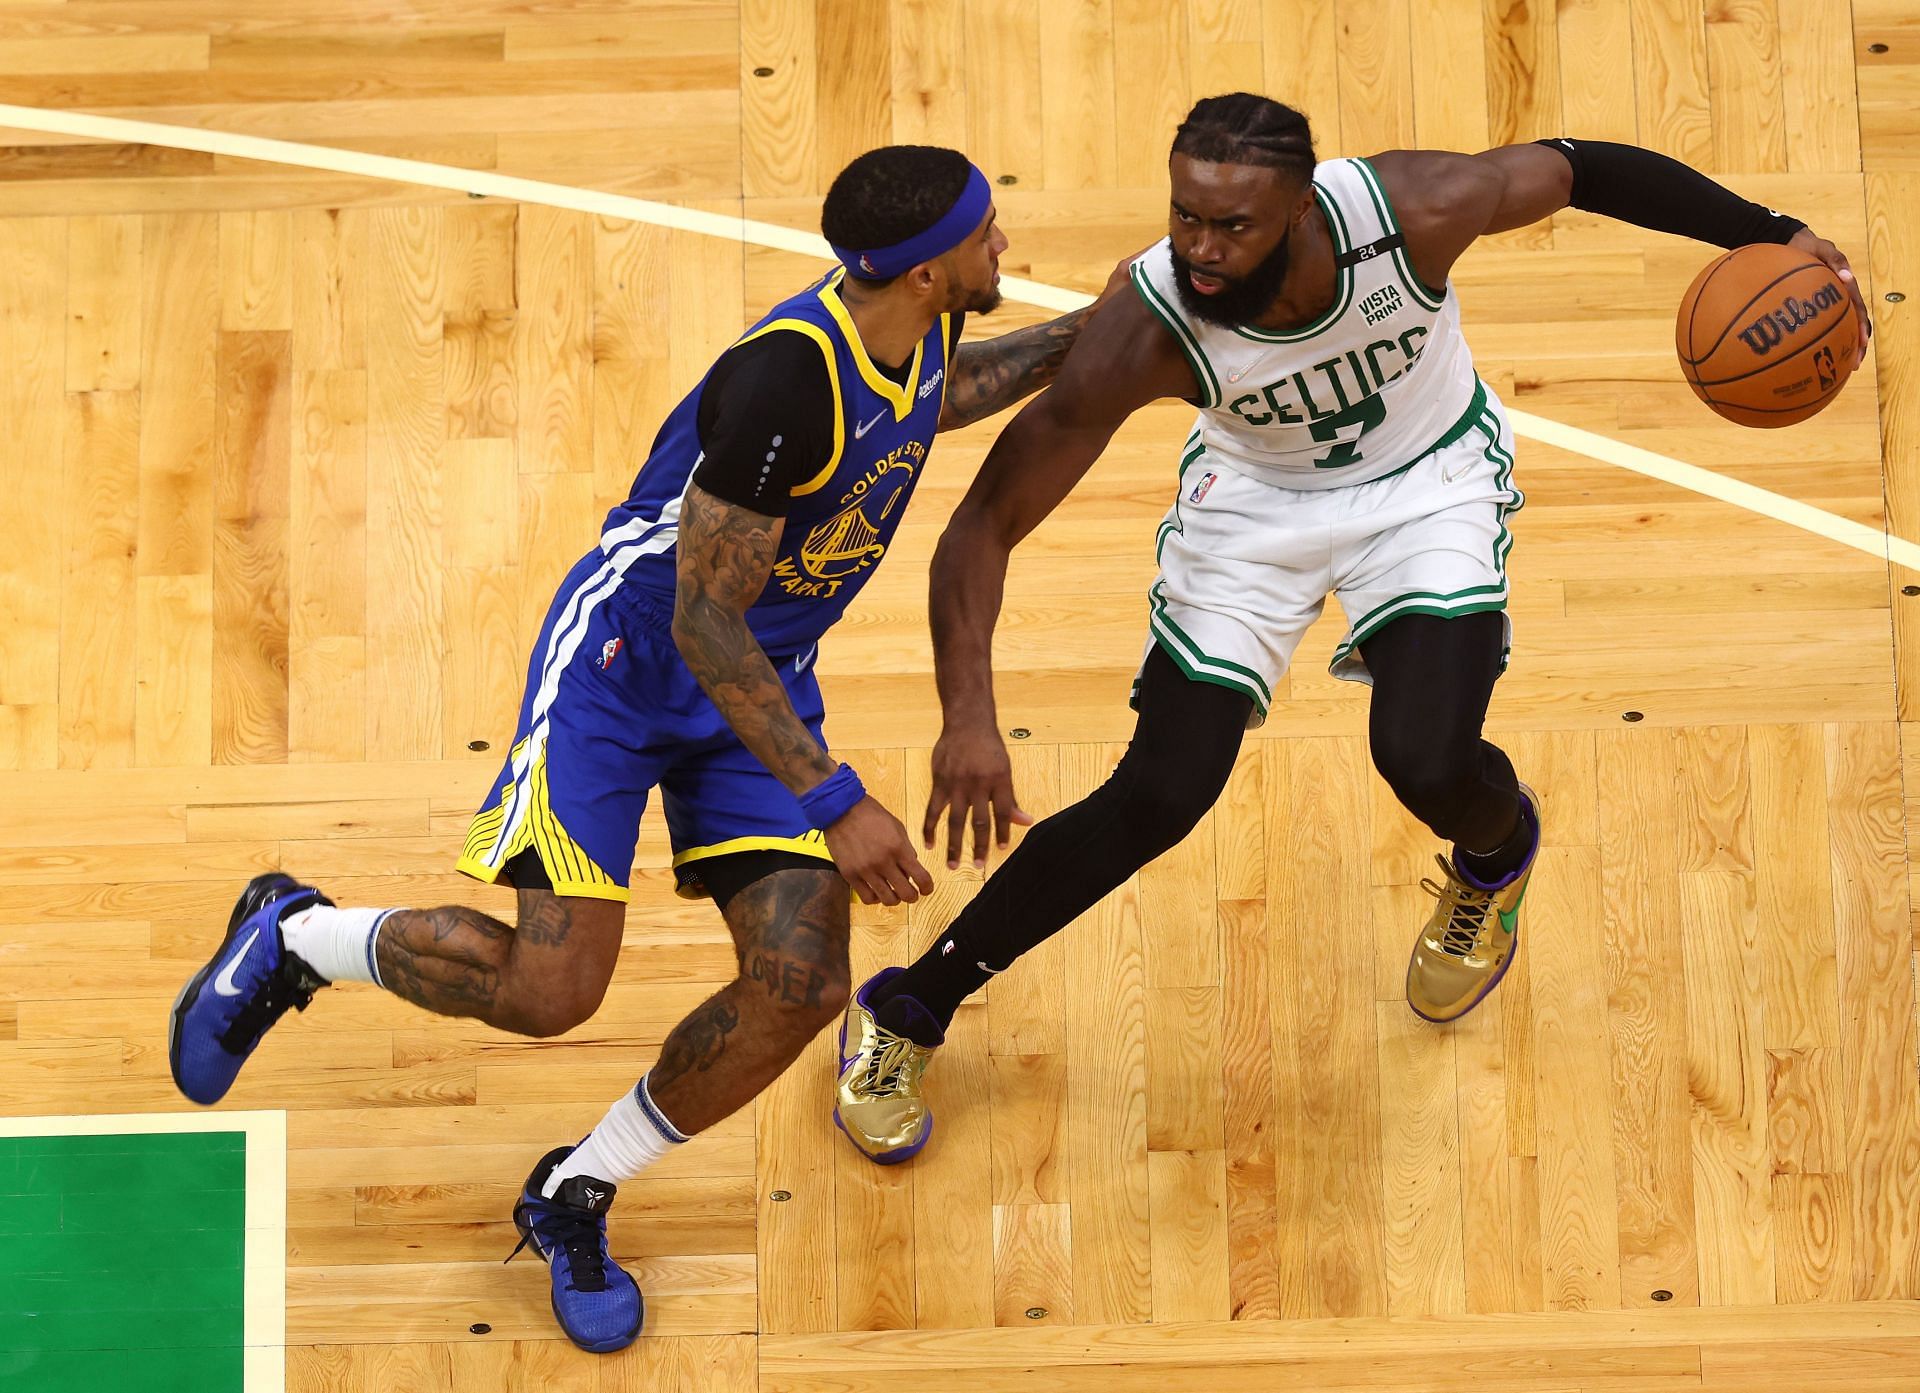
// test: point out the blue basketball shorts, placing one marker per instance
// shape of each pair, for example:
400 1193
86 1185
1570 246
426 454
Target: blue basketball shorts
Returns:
611 711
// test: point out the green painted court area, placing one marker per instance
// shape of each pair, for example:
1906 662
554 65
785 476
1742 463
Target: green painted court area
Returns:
123 1262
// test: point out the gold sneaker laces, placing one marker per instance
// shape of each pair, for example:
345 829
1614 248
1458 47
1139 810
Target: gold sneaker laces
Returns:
1466 907
893 1069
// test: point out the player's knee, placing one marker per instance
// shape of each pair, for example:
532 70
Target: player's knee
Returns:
1160 802
1429 777
544 1011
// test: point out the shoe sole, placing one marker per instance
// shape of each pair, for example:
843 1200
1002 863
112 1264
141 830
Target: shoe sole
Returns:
606 1346
244 909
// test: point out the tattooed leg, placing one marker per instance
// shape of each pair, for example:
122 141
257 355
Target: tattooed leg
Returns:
541 976
790 929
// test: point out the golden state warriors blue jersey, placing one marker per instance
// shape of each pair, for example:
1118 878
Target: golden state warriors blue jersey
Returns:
840 522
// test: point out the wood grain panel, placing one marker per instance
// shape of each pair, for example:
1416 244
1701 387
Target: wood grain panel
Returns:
100 525
252 505
406 428
302 457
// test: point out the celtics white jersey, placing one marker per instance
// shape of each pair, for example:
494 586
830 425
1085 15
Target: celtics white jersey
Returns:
1379 381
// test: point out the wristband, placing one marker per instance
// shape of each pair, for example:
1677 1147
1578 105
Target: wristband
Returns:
832 798
1650 190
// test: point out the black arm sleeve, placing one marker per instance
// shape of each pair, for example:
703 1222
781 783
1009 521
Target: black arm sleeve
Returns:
1651 190
766 422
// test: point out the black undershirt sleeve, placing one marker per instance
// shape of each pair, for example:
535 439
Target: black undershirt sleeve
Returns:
766 422
766 418
1649 189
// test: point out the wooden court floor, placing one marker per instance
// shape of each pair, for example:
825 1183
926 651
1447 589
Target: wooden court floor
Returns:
294 459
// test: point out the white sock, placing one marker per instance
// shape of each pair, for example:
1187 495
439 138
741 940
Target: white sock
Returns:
336 943
632 1136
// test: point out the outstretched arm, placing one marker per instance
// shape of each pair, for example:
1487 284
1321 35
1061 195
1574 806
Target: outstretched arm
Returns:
993 374
1126 360
1446 200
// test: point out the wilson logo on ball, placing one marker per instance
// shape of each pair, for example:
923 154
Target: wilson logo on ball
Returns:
1766 332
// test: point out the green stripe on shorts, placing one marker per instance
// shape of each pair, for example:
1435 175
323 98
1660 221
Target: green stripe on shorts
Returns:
1474 599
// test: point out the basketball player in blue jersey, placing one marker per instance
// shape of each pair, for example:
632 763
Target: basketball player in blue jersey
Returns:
1343 443
679 654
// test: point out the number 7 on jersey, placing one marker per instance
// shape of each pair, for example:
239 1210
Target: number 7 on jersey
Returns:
1367 413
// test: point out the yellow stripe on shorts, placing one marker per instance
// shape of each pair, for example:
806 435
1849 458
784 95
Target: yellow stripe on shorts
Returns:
572 871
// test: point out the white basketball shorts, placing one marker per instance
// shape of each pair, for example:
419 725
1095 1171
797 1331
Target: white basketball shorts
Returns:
1246 567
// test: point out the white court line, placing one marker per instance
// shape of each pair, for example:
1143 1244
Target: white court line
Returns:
1779 507
264 1322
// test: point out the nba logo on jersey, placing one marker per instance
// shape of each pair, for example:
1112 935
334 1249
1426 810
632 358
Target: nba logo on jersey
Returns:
1200 488
607 652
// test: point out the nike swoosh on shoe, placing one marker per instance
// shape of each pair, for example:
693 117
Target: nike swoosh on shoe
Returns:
223 984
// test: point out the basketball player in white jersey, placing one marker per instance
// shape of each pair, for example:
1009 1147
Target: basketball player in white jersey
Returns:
1343 443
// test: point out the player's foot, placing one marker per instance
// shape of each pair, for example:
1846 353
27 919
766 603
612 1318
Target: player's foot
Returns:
878 1103
597 1304
248 984
1468 944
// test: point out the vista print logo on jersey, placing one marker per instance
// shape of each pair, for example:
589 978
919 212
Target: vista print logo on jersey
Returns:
1790 317
1381 304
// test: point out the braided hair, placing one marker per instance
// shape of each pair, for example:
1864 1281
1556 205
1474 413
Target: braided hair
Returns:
1242 128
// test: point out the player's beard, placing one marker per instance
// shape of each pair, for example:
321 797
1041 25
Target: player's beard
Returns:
983 301
1240 299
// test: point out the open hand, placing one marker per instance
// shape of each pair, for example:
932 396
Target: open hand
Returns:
972 784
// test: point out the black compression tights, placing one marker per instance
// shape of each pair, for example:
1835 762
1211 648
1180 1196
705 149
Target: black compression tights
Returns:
1432 678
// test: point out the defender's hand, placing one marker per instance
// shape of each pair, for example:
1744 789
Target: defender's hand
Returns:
873 854
1808 241
972 782
1118 279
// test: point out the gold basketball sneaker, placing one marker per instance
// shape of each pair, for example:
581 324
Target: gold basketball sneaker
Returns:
1469 941
878 1102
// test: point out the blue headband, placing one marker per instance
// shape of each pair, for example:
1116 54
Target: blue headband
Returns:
954 227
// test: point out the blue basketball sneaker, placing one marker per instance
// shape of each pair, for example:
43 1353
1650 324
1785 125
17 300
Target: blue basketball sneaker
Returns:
597 1304
248 984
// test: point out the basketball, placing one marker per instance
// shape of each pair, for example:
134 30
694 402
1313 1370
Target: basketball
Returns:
1766 335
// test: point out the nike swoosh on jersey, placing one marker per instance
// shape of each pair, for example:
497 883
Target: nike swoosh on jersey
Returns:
224 982
859 431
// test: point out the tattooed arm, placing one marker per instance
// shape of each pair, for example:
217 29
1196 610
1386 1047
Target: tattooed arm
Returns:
726 554
992 375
